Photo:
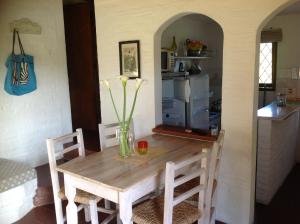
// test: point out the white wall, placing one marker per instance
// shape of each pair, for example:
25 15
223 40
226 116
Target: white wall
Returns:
199 27
26 121
288 56
119 20
288 52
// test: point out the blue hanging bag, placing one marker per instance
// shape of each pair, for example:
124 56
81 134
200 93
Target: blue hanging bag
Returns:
20 77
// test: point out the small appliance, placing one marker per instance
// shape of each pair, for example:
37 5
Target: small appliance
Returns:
167 60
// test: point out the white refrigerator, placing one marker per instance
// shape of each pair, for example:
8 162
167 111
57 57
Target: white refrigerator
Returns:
186 101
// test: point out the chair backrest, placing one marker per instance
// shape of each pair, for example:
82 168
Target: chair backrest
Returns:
53 154
213 174
107 134
171 183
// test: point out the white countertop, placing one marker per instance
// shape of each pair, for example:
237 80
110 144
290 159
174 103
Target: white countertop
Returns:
273 112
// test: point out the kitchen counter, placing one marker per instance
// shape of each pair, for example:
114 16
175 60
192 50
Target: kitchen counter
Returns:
278 130
273 112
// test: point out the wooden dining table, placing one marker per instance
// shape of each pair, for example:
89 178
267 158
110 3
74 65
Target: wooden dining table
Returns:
123 181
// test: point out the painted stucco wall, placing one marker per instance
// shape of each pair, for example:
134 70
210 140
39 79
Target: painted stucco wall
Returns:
240 20
26 121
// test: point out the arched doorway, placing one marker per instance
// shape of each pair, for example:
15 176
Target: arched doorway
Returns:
278 146
206 65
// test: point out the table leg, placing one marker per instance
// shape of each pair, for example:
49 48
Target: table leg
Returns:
125 208
70 192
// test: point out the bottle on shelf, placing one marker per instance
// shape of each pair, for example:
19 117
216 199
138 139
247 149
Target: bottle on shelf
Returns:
185 49
174 46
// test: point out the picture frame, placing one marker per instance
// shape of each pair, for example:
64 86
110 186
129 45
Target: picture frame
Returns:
129 53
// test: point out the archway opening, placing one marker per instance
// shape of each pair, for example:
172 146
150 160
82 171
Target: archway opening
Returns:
278 148
188 68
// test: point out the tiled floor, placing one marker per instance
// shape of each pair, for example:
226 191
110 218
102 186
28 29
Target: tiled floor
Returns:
46 215
285 206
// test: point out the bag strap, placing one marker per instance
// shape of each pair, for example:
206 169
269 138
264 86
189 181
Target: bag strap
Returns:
20 43
14 38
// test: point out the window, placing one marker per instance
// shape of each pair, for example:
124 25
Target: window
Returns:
267 66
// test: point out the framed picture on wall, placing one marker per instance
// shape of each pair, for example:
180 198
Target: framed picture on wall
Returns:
129 52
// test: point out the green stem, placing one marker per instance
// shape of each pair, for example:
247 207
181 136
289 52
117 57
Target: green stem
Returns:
113 102
132 108
123 145
124 105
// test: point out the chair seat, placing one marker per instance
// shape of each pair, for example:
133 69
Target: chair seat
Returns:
152 212
81 197
189 185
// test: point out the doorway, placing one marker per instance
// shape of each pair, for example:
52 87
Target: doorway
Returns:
81 48
278 143
191 73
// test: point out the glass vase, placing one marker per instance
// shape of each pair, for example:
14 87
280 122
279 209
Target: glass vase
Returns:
126 140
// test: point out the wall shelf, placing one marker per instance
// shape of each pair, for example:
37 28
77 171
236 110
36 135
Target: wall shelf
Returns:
192 57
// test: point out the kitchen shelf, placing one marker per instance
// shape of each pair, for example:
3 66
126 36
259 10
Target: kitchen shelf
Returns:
192 57
207 54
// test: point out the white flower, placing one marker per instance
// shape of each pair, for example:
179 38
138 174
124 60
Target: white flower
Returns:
106 83
138 83
124 79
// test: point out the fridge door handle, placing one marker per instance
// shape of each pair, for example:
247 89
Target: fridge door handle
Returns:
187 91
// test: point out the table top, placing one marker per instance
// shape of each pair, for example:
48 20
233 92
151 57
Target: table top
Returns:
107 169
273 112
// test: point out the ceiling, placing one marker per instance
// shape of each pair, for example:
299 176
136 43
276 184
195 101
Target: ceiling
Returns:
294 8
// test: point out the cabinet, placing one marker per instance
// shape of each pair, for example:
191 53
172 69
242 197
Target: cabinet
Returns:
278 130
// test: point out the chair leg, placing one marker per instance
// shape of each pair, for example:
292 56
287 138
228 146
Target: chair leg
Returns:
87 214
93 211
106 204
58 210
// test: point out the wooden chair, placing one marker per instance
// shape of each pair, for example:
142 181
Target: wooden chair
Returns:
213 177
211 193
107 134
87 201
170 210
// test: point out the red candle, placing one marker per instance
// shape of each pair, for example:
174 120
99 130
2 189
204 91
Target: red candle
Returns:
142 147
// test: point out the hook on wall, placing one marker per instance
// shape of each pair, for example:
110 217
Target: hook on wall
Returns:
25 25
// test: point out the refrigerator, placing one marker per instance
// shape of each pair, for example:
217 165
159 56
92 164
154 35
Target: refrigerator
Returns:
185 101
